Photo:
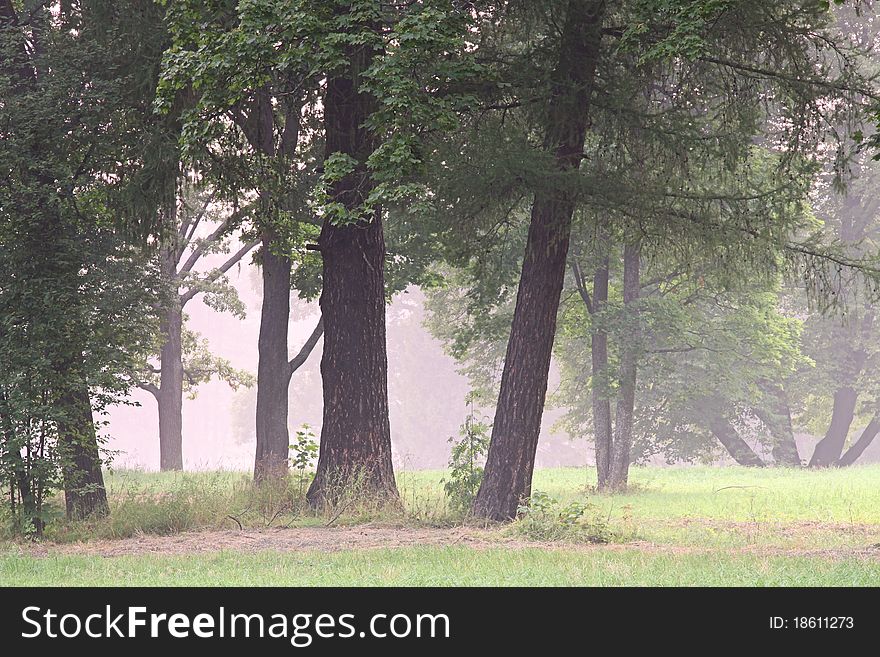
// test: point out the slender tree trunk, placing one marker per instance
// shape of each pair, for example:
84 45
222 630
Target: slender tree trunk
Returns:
170 397
858 447
728 436
355 449
84 491
273 369
828 449
778 420
599 386
508 474
623 425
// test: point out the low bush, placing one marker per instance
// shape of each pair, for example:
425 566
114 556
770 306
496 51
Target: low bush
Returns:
544 518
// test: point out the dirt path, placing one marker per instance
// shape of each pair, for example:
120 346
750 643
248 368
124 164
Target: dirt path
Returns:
365 537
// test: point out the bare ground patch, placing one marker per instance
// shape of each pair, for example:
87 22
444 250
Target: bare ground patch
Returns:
368 537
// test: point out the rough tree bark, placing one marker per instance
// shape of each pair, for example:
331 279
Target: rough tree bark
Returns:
623 424
273 372
511 458
84 491
355 447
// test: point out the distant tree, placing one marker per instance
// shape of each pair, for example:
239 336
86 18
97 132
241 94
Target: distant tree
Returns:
251 135
184 360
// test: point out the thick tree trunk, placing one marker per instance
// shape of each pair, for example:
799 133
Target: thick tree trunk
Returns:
84 491
728 436
858 447
170 395
355 448
508 473
828 450
777 417
602 430
626 396
273 369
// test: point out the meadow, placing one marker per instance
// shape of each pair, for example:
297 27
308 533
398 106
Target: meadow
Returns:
677 526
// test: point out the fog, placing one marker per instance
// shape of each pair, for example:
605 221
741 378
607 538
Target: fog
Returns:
426 393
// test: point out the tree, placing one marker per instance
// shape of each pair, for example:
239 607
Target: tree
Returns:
842 344
250 134
184 360
68 128
253 62
664 97
515 431
355 434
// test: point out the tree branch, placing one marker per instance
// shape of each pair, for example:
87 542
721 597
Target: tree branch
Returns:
307 348
224 226
581 286
149 387
858 447
187 296
767 73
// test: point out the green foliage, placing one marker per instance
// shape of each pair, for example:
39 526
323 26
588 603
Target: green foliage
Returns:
466 464
76 289
304 452
544 518
200 366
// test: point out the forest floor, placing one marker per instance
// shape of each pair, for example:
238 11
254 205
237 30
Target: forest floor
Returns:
677 526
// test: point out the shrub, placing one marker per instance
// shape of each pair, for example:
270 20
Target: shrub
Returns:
544 518
466 464
304 452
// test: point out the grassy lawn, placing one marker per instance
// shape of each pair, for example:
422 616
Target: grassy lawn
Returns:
440 566
693 525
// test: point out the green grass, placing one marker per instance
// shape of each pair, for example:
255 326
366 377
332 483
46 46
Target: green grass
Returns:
447 566
724 493
716 506
742 520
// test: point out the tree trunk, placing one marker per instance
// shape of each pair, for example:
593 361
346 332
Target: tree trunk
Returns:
355 447
84 491
170 396
851 359
626 397
599 385
508 474
273 369
778 420
828 450
728 436
858 447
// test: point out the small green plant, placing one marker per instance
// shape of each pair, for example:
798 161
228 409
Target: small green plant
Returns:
304 452
466 463
544 518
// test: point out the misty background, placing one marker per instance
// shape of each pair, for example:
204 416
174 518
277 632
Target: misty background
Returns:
428 395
